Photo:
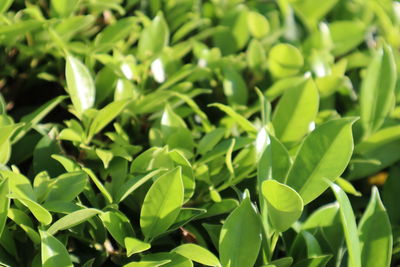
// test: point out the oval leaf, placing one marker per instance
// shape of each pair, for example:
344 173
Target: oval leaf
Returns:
284 204
240 237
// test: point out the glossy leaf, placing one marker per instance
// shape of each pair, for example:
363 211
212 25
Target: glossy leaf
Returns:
296 112
377 89
375 233
198 254
323 155
349 227
53 252
241 227
134 245
284 204
72 219
162 203
80 84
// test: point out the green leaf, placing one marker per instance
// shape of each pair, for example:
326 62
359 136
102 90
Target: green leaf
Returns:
284 205
377 90
7 131
210 140
296 112
316 261
99 185
80 84
235 33
72 219
25 222
5 4
36 116
40 213
162 204
285 60
349 227
198 254
324 154
325 223
235 88
346 35
115 32
134 246
147 263
74 181
64 8
19 184
106 115
154 37
312 11
347 186
53 252
375 234
239 119
118 225
258 24
4 203
240 237
255 55
176 260
134 183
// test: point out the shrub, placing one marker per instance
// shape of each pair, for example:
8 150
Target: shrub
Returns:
199 133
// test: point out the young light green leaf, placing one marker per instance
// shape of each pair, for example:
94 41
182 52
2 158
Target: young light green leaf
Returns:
375 234
240 237
377 90
134 183
4 203
64 8
162 204
258 24
284 204
311 11
324 154
296 112
72 219
80 84
242 121
210 140
346 35
54 253
40 213
198 254
154 37
134 245
349 227
106 115
347 186
4 5
285 60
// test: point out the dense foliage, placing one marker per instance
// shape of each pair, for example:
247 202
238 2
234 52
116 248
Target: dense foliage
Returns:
199 133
